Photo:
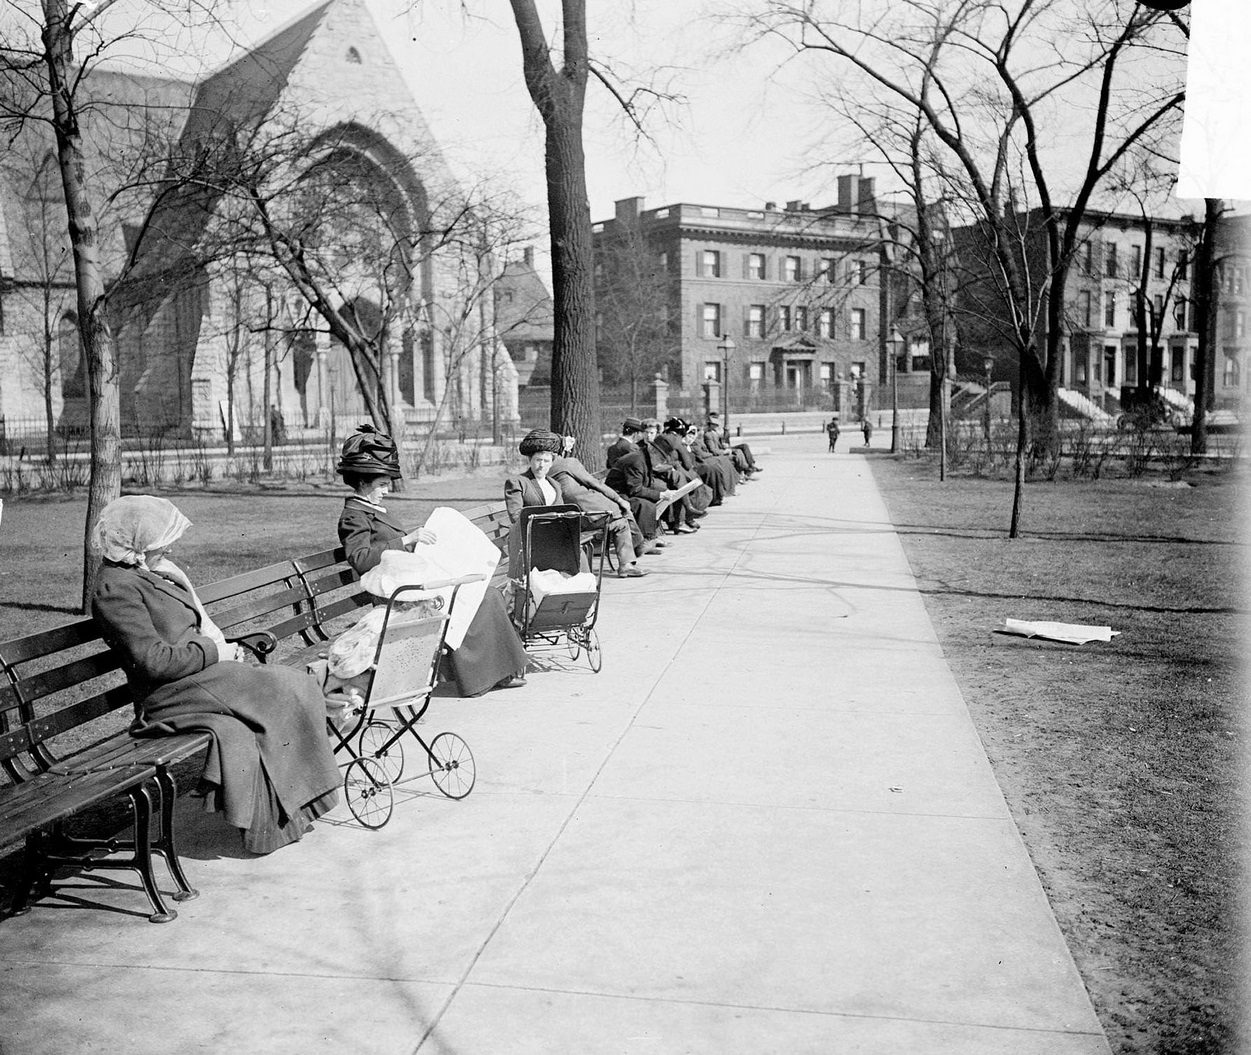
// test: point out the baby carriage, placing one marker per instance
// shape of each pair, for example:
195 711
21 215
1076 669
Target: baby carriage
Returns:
389 701
556 602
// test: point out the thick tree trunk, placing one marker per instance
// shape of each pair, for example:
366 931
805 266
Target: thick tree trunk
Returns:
575 385
97 340
559 98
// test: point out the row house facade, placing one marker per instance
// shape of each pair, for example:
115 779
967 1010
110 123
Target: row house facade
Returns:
798 291
1130 273
1121 258
1232 263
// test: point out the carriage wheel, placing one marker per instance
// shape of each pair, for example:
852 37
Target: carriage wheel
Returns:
594 655
452 766
373 736
368 792
574 642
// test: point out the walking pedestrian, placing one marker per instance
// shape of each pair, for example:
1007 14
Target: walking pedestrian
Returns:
831 430
866 426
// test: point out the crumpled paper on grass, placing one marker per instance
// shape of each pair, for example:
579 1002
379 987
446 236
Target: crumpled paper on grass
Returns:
1072 633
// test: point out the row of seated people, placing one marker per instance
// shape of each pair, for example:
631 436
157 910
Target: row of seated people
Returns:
271 771
656 482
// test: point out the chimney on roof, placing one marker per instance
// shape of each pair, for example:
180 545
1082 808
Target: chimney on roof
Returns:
793 206
527 254
770 206
628 209
867 200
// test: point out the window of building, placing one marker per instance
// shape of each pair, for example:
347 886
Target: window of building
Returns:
1179 313
1233 373
793 269
1159 307
825 322
662 261
756 265
829 269
1135 261
1109 310
826 374
710 321
1080 370
1131 369
1109 259
755 371
801 318
755 321
710 264
712 370
857 371
1159 261
784 317
1177 369
1240 324
1109 364
1183 262
1088 257
857 324
1239 278
1084 308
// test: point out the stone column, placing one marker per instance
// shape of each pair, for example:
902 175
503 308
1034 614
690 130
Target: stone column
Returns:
660 397
322 355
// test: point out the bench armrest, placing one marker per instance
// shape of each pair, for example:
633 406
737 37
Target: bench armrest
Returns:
260 643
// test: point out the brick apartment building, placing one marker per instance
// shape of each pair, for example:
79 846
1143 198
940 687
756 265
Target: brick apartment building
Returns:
798 290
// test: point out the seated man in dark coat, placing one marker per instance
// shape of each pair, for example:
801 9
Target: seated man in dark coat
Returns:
722 463
718 443
673 442
667 466
629 475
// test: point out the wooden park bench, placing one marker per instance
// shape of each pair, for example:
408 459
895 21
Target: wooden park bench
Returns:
64 710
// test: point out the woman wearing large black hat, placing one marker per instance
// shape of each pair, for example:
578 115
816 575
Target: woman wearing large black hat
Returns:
491 655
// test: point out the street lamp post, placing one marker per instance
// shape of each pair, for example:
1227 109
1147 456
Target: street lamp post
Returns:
726 348
988 364
893 344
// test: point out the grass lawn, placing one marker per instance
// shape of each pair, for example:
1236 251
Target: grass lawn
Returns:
233 529
1122 762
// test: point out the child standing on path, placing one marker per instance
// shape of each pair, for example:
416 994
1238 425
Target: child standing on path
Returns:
832 431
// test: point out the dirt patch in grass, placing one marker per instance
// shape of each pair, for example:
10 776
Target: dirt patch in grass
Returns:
1122 762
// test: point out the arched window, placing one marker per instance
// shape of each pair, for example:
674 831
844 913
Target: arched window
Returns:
70 355
354 56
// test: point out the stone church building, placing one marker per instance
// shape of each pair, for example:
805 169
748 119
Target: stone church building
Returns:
211 330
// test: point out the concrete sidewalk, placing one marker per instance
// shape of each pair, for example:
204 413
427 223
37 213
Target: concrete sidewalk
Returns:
767 826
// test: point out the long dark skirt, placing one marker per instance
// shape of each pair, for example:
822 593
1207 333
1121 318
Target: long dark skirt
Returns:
490 652
270 769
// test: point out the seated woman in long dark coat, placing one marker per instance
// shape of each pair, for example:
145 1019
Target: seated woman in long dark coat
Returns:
270 769
491 655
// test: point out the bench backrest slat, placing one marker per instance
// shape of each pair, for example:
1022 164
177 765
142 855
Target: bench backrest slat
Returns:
46 642
36 686
246 582
290 598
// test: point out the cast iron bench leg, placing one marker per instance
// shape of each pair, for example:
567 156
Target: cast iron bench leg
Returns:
141 798
33 860
167 787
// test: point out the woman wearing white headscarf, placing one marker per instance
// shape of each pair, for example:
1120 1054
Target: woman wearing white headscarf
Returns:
270 769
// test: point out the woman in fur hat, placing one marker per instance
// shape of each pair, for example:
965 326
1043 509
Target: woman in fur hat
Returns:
491 655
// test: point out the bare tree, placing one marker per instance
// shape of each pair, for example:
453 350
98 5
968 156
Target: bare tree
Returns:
46 78
31 170
993 83
1207 264
635 336
559 95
